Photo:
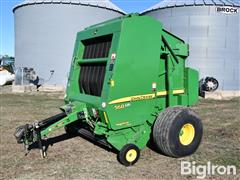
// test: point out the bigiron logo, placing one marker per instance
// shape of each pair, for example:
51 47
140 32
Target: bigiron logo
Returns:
227 10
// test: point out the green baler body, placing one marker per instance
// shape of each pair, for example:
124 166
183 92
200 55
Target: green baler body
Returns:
143 76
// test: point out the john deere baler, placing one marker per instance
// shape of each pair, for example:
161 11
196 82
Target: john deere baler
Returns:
128 82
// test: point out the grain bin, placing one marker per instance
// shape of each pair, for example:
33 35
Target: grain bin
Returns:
212 30
45 32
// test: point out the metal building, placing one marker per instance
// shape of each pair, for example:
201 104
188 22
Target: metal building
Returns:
45 32
212 29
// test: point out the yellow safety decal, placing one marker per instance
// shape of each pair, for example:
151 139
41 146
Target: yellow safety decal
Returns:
123 123
112 83
144 97
180 91
105 116
162 93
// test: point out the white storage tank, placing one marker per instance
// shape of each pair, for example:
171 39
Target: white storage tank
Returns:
212 29
45 32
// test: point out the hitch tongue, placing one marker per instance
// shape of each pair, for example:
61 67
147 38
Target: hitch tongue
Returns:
30 134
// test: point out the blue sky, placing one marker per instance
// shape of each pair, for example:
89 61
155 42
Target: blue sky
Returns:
7 20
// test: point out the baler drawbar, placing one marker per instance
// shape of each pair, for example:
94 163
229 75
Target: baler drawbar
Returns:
128 82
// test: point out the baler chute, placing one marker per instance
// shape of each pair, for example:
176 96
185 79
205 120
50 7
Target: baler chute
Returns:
128 80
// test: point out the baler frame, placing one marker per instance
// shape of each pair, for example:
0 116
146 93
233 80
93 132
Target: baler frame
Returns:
103 105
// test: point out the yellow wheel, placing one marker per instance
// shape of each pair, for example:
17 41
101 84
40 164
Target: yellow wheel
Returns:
186 134
129 155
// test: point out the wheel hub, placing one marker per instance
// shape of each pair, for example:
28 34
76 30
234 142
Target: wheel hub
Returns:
131 155
186 134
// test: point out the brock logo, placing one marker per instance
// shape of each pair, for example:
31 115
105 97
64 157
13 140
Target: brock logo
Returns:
227 10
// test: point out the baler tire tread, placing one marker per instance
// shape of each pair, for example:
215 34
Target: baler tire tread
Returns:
162 127
169 113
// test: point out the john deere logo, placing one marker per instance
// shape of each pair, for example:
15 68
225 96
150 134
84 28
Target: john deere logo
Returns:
227 10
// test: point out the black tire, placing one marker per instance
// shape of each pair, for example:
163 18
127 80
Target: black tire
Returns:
127 155
169 128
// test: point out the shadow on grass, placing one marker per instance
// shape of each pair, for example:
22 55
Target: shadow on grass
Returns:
50 141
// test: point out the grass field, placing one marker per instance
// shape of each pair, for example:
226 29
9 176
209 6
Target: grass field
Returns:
76 158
